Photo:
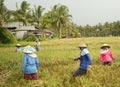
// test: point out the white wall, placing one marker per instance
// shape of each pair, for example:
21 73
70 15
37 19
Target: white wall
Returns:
21 34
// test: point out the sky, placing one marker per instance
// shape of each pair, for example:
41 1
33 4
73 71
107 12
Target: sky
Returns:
83 12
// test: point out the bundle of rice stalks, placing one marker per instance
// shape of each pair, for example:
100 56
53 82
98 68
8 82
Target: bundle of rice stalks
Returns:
4 75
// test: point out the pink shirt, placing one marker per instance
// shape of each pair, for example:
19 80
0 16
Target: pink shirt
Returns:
106 56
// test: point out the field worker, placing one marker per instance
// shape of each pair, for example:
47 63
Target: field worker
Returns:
85 60
18 48
30 63
106 56
37 45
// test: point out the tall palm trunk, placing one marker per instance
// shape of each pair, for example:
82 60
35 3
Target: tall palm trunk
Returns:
60 31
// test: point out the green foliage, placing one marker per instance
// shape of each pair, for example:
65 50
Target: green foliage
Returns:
6 36
42 38
4 13
31 38
107 29
56 19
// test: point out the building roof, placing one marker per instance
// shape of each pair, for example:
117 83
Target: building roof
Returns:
46 30
25 28
37 31
13 24
10 28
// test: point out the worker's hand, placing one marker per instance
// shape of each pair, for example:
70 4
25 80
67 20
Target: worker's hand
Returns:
75 59
113 58
90 66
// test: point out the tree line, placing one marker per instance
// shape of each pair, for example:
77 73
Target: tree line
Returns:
57 19
106 29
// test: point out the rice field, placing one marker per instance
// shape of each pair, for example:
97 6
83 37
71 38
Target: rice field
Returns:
56 64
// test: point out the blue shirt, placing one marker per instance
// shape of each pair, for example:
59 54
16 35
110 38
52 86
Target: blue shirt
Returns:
30 64
85 59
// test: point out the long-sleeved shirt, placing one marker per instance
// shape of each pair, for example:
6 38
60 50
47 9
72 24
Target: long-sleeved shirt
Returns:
106 56
85 59
30 64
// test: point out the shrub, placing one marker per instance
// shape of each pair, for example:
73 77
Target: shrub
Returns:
42 39
6 36
31 38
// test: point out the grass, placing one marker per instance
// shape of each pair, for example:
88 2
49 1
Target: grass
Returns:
57 67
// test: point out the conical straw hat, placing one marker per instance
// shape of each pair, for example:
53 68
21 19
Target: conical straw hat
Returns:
29 49
105 45
82 45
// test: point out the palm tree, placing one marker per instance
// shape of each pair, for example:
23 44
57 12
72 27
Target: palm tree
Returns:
37 15
4 13
23 14
60 16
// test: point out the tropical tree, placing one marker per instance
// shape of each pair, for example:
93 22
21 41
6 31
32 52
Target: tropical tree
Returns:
4 13
37 15
23 14
6 36
46 20
116 28
57 18
60 17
